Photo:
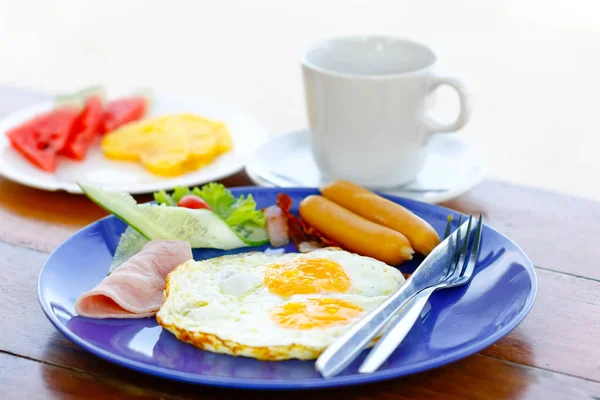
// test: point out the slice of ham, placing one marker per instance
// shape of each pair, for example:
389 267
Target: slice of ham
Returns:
277 226
135 289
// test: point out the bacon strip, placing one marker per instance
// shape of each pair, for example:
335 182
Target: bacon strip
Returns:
298 230
135 289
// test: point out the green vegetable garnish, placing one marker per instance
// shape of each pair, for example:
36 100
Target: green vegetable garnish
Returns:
163 197
232 223
220 200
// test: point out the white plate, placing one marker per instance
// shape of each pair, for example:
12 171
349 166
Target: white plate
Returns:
247 134
452 167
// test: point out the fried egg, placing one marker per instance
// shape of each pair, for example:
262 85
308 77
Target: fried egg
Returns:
273 307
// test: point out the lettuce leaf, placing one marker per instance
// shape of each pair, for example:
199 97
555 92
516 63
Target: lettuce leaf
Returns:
233 211
220 200
179 192
171 200
162 197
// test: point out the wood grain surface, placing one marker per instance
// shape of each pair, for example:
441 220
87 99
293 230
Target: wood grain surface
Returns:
41 220
552 354
557 232
476 377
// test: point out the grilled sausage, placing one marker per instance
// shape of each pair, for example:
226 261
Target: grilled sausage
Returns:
354 232
423 238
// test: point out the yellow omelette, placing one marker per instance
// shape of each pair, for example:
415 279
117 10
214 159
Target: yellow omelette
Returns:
170 145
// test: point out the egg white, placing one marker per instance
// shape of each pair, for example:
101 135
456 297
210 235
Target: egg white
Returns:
222 304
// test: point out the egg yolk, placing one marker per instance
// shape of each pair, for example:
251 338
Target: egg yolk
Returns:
315 313
306 276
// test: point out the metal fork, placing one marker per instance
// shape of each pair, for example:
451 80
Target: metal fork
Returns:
436 267
462 273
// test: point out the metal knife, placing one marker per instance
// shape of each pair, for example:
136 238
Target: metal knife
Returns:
349 345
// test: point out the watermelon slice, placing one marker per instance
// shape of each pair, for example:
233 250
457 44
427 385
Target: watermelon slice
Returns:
42 137
85 129
122 111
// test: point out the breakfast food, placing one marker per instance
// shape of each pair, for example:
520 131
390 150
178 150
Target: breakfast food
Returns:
122 111
354 232
85 129
373 207
273 307
170 145
305 237
135 290
240 213
277 227
207 217
192 201
228 223
41 138
71 128
257 304
224 142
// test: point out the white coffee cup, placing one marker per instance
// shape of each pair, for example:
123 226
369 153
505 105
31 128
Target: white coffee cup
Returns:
366 99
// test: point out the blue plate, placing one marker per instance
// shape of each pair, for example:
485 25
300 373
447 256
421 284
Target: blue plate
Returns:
456 322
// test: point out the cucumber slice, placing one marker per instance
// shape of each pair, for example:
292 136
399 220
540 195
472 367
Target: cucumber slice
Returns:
251 234
201 228
131 243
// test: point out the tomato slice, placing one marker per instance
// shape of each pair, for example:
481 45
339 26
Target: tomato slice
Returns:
122 111
42 137
85 129
192 201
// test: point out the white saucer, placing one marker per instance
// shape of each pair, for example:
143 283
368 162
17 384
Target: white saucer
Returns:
247 135
452 167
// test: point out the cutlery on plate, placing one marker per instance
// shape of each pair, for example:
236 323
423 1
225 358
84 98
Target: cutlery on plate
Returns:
407 317
436 267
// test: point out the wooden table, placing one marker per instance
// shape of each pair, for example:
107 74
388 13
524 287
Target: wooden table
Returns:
553 354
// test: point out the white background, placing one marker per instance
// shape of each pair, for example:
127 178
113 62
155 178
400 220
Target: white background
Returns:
533 65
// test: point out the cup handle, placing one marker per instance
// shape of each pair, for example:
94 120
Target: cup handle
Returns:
435 126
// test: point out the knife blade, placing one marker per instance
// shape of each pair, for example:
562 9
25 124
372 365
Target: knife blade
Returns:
349 345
